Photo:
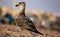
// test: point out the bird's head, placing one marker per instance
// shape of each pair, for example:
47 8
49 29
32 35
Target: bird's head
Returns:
21 4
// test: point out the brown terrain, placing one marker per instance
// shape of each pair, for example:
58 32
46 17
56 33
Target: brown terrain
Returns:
11 30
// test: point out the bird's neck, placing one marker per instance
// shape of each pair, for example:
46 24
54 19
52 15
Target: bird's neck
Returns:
22 11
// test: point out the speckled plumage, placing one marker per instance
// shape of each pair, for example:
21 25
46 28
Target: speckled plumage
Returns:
24 22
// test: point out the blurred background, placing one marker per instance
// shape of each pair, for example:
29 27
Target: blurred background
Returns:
47 23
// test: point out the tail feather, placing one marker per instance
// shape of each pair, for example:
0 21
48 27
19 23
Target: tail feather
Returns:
35 31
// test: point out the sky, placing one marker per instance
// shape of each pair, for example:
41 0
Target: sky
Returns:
40 5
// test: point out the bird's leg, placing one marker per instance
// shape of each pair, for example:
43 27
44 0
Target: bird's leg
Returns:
15 23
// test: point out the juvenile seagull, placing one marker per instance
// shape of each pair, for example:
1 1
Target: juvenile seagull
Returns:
23 21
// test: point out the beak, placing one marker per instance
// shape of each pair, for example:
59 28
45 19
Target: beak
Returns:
16 5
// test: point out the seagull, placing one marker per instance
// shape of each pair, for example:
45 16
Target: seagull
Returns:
23 21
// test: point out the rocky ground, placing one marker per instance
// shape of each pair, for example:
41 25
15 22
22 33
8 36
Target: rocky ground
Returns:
8 30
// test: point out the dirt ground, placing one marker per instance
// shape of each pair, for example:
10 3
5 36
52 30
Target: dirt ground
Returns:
7 30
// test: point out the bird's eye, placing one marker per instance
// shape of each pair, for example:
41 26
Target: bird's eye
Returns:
19 3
